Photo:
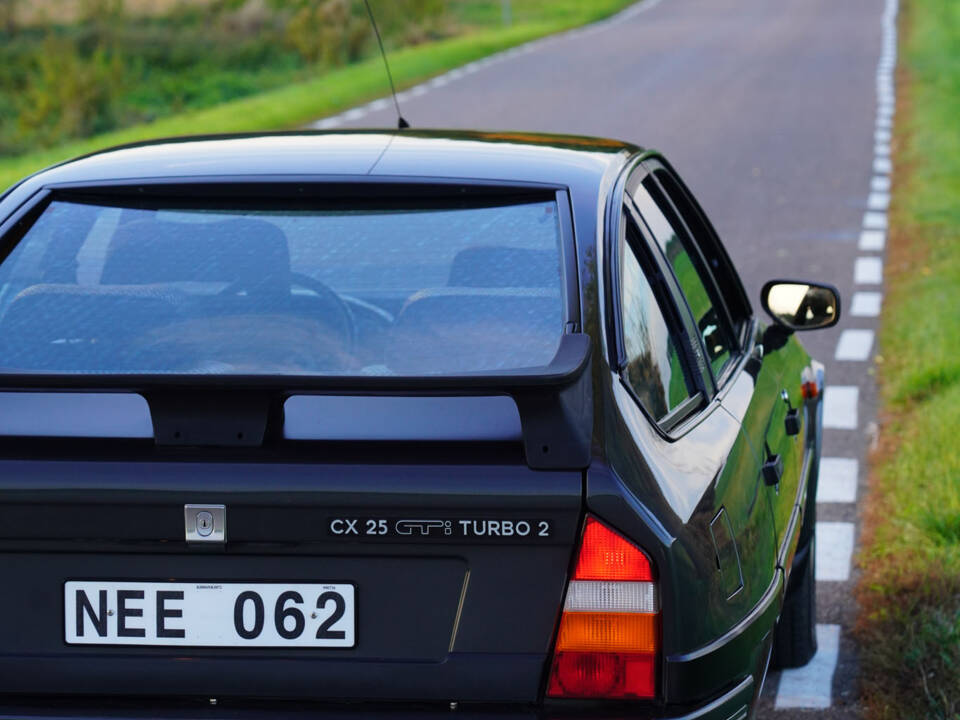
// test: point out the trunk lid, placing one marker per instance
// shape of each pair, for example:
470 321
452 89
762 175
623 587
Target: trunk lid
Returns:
459 572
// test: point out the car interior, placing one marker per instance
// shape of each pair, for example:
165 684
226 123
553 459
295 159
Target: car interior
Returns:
170 299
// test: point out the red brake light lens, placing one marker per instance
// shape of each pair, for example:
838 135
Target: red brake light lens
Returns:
602 675
605 555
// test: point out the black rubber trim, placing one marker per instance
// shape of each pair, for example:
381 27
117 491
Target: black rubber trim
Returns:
555 401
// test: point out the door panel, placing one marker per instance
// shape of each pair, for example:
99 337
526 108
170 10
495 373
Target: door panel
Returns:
754 398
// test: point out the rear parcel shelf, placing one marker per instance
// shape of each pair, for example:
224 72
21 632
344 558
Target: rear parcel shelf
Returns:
553 407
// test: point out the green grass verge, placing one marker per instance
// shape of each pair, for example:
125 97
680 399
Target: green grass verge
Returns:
296 105
909 628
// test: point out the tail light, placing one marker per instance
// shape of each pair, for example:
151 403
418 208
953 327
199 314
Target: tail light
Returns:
609 632
808 384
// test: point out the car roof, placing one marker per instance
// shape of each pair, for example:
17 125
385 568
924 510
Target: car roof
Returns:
510 157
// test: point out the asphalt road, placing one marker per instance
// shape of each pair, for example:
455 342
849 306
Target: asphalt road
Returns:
767 110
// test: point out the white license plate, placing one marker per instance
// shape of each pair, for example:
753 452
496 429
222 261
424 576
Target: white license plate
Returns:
99 612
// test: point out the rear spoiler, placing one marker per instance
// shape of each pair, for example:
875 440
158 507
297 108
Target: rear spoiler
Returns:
554 401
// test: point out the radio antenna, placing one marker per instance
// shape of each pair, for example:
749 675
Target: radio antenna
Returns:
401 123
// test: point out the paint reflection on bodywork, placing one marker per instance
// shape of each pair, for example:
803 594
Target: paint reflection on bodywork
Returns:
689 466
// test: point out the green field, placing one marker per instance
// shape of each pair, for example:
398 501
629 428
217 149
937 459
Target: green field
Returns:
909 630
112 78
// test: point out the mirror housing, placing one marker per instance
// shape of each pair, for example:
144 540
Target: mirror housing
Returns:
801 305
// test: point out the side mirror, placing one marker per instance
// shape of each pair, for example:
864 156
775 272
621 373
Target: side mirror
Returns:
799 305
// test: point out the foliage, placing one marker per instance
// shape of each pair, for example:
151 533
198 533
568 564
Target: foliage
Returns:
294 104
910 590
110 64
111 68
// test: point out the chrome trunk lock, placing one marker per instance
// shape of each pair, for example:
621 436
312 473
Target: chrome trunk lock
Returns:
205 523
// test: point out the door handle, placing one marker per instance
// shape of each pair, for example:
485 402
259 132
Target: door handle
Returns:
792 421
773 470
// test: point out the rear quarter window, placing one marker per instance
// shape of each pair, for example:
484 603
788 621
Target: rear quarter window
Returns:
653 366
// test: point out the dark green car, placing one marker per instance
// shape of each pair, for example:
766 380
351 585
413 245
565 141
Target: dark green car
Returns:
383 424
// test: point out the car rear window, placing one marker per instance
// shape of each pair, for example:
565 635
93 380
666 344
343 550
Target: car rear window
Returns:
98 289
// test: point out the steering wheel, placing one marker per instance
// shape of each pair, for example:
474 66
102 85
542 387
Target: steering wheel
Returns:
336 314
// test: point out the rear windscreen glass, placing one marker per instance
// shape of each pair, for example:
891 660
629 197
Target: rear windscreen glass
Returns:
107 290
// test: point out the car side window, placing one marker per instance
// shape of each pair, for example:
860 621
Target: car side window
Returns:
727 281
691 276
653 366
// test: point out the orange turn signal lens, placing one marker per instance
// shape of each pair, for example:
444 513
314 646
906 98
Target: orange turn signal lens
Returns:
809 390
607 632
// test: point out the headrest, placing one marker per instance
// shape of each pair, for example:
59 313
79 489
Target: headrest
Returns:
505 267
149 251
58 310
456 330
70 328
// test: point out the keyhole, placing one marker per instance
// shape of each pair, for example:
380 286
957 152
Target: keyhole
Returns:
204 524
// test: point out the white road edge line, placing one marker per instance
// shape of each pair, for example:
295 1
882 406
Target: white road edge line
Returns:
834 551
868 271
866 303
354 114
811 686
335 121
872 240
838 480
854 345
840 406
874 221
878 201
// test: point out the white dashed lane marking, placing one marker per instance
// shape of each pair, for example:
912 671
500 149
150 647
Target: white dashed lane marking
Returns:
875 221
878 201
854 345
866 304
440 81
868 271
840 406
811 686
872 240
834 550
838 480
354 114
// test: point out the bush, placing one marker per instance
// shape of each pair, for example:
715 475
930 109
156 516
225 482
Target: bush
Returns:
111 68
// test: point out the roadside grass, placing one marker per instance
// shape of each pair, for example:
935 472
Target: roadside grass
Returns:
295 105
909 593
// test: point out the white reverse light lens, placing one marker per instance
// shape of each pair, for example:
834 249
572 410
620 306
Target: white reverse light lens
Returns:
603 596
